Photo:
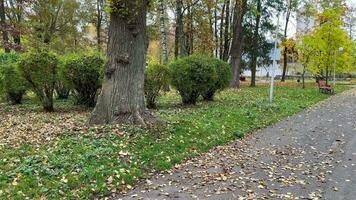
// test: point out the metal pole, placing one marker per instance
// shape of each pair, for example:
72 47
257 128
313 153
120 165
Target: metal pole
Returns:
274 64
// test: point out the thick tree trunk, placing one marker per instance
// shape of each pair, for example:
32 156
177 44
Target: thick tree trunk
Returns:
285 55
3 27
121 100
162 30
255 44
236 49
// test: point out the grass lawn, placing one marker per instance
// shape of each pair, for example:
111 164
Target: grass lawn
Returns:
54 156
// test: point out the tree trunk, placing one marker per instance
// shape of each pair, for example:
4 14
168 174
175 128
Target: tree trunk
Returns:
255 44
121 100
221 45
285 55
303 76
99 12
3 27
189 34
236 49
216 29
162 29
227 33
179 32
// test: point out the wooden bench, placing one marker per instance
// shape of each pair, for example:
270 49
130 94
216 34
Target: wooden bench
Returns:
325 88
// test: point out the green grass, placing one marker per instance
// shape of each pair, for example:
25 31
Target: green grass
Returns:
101 160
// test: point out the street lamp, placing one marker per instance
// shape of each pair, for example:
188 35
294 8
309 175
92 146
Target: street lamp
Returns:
341 49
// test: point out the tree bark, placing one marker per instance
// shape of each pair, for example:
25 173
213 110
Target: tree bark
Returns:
236 49
179 47
253 65
285 55
162 29
189 34
227 33
3 27
216 29
221 37
121 100
99 21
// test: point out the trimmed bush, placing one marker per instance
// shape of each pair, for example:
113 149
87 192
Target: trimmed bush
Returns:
223 71
12 84
156 79
83 74
39 68
193 76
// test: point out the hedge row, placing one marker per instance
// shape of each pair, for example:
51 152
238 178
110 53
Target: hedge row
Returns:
45 74
81 74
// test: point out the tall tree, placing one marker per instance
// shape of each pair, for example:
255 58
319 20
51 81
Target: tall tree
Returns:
99 21
291 5
122 96
179 47
236 49
53 20
15 13
162 30
255 42
325 40
226 48
4 27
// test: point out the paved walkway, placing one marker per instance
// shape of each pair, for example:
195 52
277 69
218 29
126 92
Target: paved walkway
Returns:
311 155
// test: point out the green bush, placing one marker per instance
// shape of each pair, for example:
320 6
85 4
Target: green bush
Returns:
224 76
39 68
156 79
83 74
193 76
12 84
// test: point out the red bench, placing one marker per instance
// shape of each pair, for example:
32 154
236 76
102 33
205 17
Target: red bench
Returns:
325 88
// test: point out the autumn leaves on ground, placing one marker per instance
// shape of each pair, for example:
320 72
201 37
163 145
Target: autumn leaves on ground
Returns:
54 155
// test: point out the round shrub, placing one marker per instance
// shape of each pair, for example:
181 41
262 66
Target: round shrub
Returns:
193 76
83 74
39 68
223 71
156 79
12 85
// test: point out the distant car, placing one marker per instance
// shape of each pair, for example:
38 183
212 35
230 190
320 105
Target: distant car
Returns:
242 78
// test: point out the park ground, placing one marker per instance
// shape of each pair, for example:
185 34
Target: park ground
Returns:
55 156
311 155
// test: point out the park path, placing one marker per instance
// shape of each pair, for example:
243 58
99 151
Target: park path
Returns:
311 155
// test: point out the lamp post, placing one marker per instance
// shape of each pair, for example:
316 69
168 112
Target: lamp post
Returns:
341 49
